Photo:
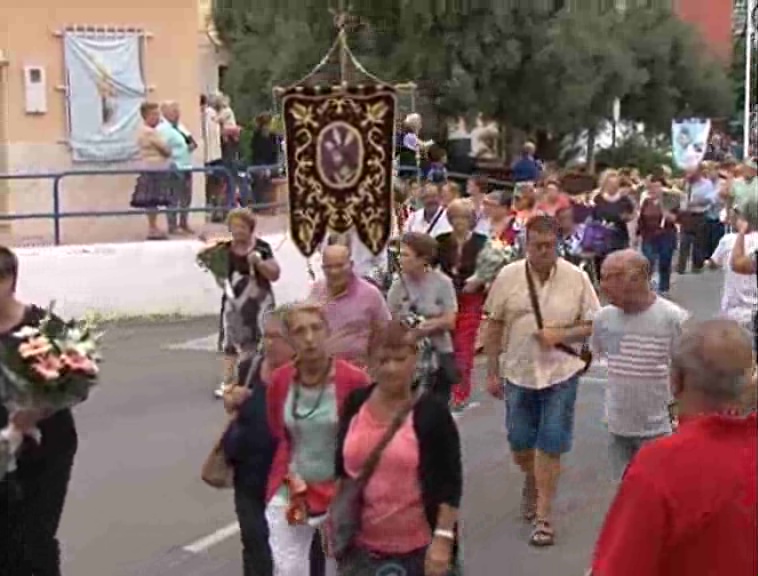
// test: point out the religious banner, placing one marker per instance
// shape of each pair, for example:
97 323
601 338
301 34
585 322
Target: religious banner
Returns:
105 91
689 140
339 163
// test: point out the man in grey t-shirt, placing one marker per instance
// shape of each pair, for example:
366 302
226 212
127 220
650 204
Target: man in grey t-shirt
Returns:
636 334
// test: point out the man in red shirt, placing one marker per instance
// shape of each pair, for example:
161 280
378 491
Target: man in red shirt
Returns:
687 504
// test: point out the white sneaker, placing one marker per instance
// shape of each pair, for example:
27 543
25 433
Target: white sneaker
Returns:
219 392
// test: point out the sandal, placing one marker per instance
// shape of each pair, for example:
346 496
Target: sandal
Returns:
543 534
529 501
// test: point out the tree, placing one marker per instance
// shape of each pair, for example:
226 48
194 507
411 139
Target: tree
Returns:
269 46
679 77
535 70
398 40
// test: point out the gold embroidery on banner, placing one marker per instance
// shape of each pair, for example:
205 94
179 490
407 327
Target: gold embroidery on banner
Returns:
340 166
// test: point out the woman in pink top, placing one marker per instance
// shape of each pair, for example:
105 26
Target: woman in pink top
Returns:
413 529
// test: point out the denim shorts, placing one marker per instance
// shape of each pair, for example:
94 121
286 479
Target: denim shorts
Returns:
541 419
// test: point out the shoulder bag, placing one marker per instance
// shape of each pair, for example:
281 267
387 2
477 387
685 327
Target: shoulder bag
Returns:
346 509
585 354
217 472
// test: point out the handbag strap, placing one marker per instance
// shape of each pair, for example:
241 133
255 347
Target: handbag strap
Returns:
433 223
538 314
373 459
533 296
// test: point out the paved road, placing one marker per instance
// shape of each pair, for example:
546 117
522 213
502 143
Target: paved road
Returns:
137 502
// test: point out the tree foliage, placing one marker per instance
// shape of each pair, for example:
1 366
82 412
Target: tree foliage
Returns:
530 68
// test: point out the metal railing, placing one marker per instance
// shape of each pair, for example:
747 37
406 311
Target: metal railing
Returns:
58 213
242 182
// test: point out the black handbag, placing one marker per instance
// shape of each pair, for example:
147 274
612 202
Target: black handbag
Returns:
346 509
585 355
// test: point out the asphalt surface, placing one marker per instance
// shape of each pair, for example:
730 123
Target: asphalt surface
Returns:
137 507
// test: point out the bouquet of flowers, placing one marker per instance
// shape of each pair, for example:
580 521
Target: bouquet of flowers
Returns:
492 258
214 258
47 368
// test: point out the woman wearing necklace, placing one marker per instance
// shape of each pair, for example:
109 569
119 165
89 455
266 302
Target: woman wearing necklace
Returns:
304 402
458 253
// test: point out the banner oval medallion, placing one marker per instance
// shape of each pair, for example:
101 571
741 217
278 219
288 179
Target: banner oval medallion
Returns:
339 155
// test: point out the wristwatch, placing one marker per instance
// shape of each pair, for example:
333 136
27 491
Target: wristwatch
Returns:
446 534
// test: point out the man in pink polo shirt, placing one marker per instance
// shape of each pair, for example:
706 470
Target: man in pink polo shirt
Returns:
354 307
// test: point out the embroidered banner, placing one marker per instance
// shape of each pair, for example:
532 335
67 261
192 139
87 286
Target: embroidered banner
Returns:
105 90
339 164
689 139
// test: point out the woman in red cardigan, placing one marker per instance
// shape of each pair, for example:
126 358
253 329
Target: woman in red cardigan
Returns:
304 404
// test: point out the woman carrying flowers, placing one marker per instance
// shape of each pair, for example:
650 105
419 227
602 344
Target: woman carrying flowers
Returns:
245 267
47 366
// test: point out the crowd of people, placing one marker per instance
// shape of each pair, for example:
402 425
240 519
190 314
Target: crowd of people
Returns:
166 148
338 400
412 321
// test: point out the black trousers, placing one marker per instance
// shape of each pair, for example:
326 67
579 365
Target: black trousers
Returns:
693 241
257 559
30 514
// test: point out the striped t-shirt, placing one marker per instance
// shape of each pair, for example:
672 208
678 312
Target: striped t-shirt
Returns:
638 349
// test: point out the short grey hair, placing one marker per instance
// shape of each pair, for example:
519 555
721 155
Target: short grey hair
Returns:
710 370
339 239
169 104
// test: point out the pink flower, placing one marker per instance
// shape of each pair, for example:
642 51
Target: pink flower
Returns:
79 363
48 367
34 348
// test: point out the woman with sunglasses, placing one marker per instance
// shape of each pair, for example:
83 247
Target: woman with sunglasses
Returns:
424 296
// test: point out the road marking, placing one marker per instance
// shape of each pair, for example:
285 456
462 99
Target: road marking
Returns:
204 544
206 344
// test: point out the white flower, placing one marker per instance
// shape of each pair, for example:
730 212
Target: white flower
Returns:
74 335
26 332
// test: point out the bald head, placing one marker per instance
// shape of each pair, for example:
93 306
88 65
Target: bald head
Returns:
337 252
628 260
337 267
713 358
625 280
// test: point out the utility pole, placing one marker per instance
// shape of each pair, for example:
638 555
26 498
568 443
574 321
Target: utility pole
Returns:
749 45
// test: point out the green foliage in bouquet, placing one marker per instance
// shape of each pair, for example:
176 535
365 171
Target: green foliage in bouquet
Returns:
215 259
52 366
492 258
